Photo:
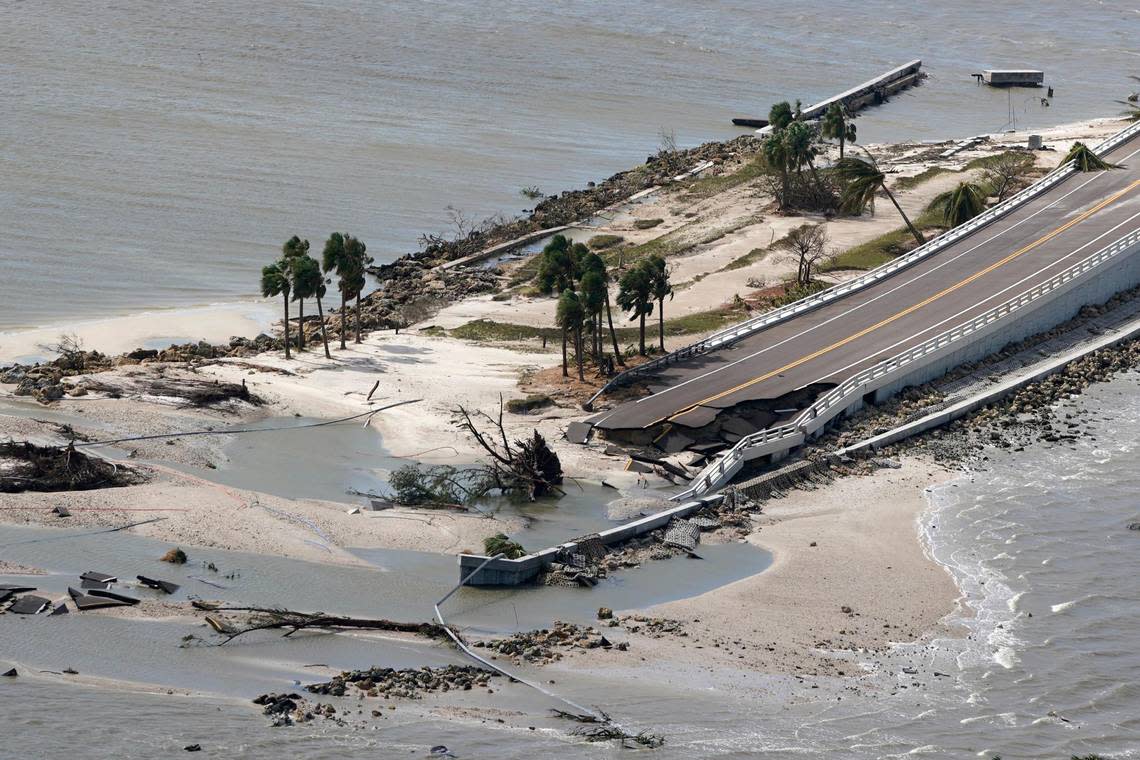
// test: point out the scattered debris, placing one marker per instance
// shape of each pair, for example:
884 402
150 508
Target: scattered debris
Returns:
262 618
84 602
29 605
61 511
28 467
10 673
579 432
175 557
105 594
94 577
164 586
408 683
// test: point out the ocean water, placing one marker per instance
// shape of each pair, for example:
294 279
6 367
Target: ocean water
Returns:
155 155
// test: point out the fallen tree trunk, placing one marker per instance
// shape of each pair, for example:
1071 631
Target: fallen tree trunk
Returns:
265 618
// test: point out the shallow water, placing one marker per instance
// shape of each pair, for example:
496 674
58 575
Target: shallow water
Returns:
156 155
1042 532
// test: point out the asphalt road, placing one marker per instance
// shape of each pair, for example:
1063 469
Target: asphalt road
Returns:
827 345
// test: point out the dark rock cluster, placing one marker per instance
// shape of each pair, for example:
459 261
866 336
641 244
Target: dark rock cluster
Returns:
408 683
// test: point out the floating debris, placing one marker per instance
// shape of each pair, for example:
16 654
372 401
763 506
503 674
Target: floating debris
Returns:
83 602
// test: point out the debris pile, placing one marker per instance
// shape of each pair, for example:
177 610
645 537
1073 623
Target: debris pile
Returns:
542 647
408 683
25 466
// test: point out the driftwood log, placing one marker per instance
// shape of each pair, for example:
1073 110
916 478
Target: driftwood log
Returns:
267 618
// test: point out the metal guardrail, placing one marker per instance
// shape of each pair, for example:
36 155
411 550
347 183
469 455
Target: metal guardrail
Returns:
831 403
730 335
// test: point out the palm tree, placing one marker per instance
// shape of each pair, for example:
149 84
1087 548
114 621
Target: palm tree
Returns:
801 147
1086 160
293 249
569 317
334 260
781 115
961 204
308 282
778 157
593 296
560 265
837 125
863 179
595 263
275 281
661 289
356 253
635 291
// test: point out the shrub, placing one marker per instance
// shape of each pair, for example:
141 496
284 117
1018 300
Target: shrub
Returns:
175 557
529 404
501 544
601 242
645 224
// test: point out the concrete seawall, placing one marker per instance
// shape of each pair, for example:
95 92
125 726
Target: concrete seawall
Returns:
514 572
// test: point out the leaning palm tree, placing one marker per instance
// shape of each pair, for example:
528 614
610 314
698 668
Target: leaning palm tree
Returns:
1086 160
862 180
345 255
293 249
308 282
961 204
276 281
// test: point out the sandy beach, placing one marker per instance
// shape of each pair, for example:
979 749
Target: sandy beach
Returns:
849 577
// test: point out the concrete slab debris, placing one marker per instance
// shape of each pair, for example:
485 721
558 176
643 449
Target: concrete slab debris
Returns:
635 466
674 442
154 583
578 432
83 602
10 673
738 426
104 594
29 605
95 577
12 588
60 609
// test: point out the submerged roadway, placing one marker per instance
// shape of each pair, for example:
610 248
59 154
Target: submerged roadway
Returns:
1070 221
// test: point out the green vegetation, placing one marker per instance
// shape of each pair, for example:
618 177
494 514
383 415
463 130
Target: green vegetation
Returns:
836 125
882 249
646 224
748 259
707 187
796 292
347 257
959 205
862 181
570 317
500 543
909 183
601 242
308 282
1086 160
485 330
276 280
529 404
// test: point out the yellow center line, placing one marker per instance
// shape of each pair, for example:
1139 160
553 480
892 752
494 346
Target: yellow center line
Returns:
910 309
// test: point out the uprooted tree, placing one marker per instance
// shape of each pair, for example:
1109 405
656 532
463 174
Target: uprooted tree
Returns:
525 466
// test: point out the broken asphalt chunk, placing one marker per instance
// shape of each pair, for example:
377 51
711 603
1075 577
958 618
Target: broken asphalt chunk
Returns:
83 602
95 577
10 674
30 605
104 594
154 583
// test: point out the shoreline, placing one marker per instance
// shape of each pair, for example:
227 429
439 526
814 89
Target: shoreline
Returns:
217 322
